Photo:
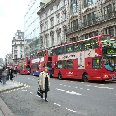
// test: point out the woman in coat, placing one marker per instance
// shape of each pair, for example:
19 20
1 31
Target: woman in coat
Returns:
44 83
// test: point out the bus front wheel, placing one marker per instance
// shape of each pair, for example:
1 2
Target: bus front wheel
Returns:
85 77
59 76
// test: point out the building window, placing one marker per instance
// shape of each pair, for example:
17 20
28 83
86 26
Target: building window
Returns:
52 21
58 18
46 25
111 31
109 11
74 25
89 19
74 6
89 2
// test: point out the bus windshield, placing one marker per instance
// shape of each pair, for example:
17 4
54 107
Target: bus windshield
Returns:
110 63
49 65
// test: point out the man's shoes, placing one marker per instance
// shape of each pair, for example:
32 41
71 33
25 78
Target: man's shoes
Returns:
46 100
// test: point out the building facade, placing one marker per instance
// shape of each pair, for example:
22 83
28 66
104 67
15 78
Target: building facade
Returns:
18 46
91 17
8 60
31 20
53 23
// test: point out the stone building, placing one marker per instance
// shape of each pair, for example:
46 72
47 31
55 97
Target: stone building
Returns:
18 46
53 23
91 17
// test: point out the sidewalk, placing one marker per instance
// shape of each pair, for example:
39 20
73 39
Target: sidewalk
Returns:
4 110
10 85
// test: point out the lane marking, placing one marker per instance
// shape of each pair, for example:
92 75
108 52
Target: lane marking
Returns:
31 92
60 89
24 90
88 85
73 93
76 87
57 104
71 110
69 92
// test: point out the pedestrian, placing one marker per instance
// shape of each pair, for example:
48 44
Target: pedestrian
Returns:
8 74
11 74
4 75
44 83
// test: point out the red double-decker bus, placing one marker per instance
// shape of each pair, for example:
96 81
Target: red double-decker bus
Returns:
89 59
38 62
24 66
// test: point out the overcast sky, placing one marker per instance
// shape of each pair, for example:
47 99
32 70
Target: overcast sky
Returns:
11 19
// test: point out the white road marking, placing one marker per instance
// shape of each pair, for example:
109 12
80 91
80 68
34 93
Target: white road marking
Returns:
70 110
31 92
73 93
88 89
60 89
101 84
82 82
37 95
65 85
60 84
88 85
69 92
24 90
76 87
103 87
57 104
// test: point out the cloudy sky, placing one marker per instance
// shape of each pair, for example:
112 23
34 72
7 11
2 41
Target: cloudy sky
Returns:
11 19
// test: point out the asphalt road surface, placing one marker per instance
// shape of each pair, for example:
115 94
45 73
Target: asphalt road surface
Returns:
65 98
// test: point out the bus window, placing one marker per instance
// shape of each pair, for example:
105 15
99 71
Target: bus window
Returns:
76 47
88 45
96 63
69 64
59 64
69 48
64 64
49 65
54 52
94 43
60 50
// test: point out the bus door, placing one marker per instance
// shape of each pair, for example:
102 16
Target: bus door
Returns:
58 68
68 71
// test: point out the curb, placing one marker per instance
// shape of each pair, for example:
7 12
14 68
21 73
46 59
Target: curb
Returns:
12 88
4 108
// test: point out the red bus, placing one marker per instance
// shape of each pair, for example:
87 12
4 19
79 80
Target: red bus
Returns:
45 59
89 59
38 61
24 66
34 64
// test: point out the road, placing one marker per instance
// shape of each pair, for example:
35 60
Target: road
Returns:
66 98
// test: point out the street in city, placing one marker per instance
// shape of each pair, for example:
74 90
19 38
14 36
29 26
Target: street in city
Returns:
66 98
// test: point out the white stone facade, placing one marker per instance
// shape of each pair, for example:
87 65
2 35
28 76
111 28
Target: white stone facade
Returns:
53 23
18 46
